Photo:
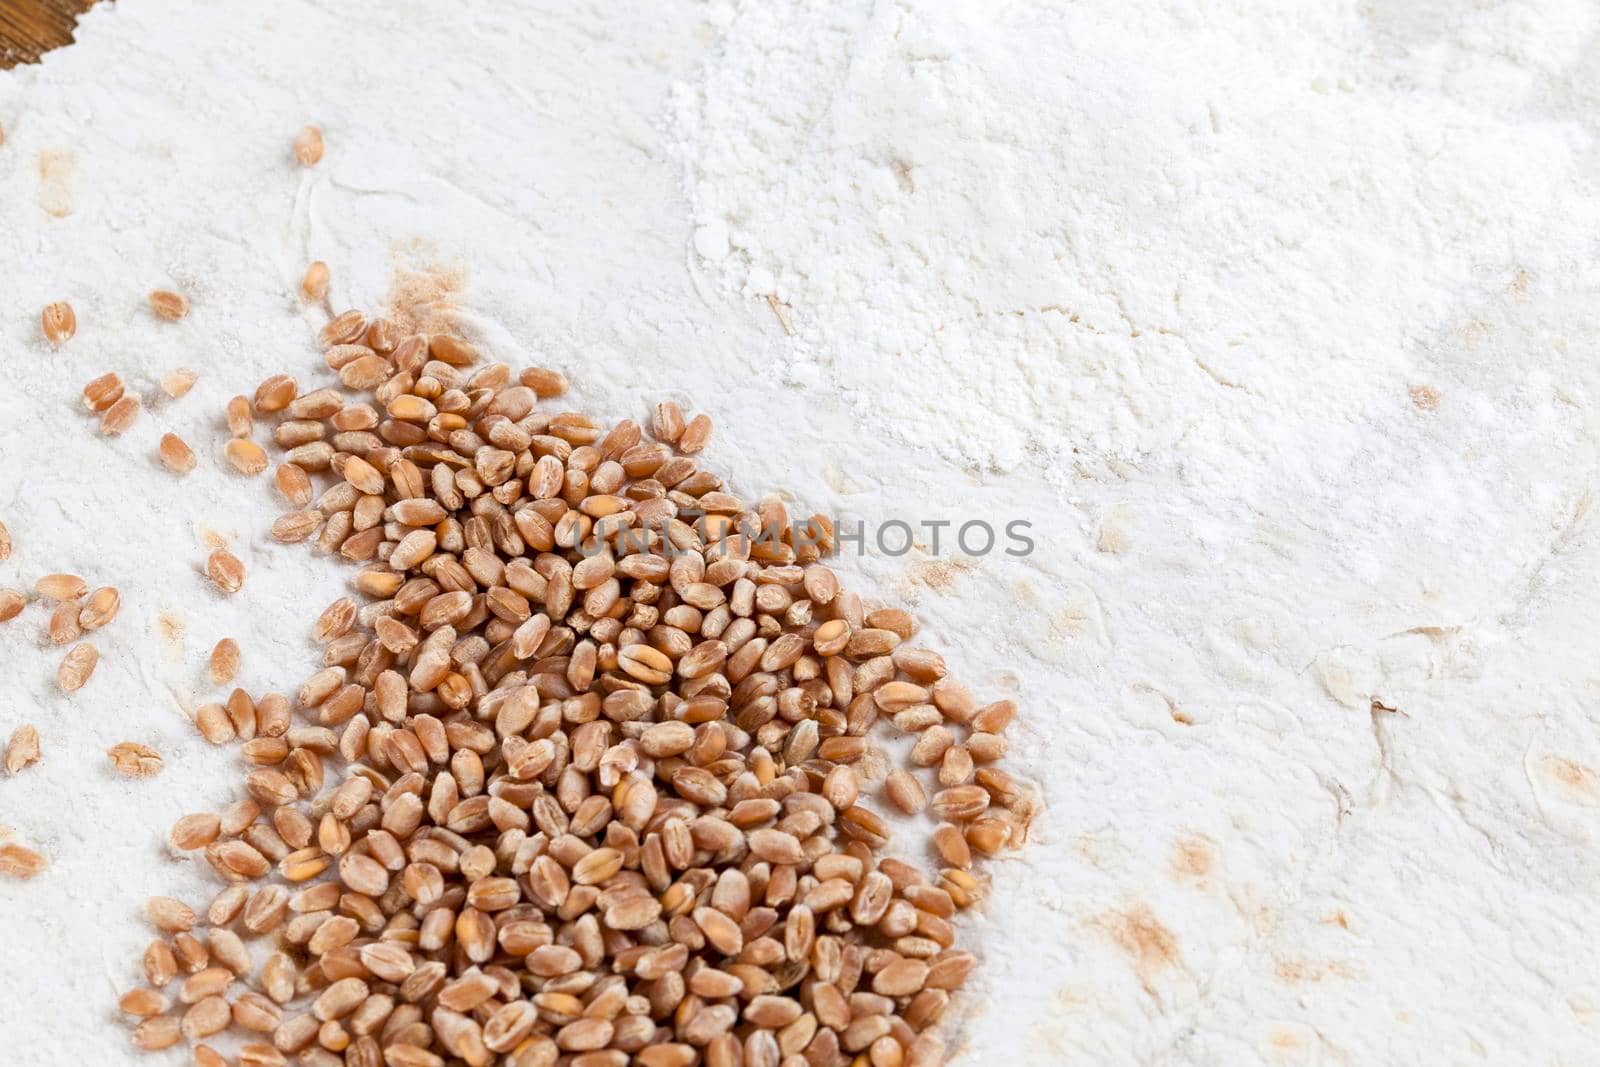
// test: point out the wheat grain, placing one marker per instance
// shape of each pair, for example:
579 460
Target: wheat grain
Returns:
177 383
225 571
224 661
168 304
101 393
175 454
314 286
22 749
119 417
308 146
59 322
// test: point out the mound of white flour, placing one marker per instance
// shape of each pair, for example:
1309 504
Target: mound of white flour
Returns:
1122 229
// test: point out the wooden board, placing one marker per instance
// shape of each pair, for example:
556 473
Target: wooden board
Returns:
30 28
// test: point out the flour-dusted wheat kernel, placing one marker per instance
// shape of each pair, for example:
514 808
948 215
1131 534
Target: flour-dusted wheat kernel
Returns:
177 383
168 304
59 322
22 749
175 454
308 146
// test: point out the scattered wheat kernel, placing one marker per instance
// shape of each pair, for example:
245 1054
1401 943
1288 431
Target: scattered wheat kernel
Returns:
314 286
61 587
225 570
177 383
175 454
22 749
695 435
247 457
5 543
101 393
168 304
19 861
59 321
120 416
133 760
11 604
224 661
308 146
240 422
64 625
76 667
101 607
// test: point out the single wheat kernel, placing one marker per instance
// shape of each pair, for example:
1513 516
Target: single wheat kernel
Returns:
64 626
314 286
120 416
101 607
293 484
175 454
170 916
76 667
61 587
544 382
143 1003
240 422
667 425
23 748
194 831
155 1034
308 146
695 435
225 570
177 383
224 661
213 723
905 792
59 321
5 543
247 457
11 604
19 861
101 393
133 760
168 304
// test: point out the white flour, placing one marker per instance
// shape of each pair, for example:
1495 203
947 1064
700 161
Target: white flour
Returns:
1121 231
1159 277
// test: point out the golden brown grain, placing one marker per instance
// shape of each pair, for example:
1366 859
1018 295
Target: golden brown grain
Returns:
61 587
132 759
59 322
64 627
246 456
177 383
293 484
168 304
308 146
101 393
224 662
225 571
22 749
175 454
77 666
19 861
240 421
5 543
101 607
314 286
120 416
11 604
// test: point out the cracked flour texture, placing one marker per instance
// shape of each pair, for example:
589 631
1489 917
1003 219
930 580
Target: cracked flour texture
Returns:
1275 319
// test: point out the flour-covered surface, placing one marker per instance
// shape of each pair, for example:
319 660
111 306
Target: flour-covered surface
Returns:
1276 320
